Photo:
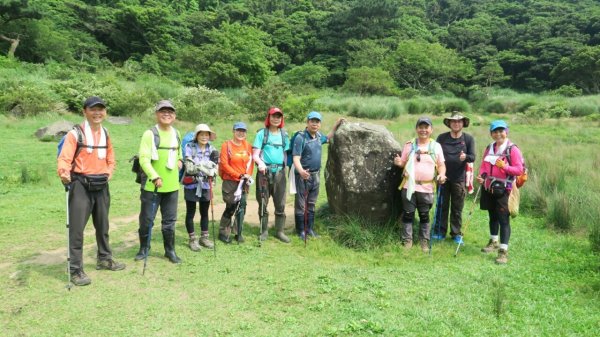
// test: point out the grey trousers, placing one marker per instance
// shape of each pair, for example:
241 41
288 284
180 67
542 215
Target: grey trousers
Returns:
82 204
422 203
274 186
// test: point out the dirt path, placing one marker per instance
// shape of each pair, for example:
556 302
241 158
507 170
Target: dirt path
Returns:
130 239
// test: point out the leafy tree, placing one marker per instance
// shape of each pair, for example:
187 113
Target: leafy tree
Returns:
581 69
308 73
366 53
491 73
429 66
10 12
369 81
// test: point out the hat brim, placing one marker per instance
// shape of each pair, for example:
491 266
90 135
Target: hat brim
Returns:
212 136
465 120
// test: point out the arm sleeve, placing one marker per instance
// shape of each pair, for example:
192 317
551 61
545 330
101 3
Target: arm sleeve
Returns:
65 159
110 156
145 153
470 142
516 158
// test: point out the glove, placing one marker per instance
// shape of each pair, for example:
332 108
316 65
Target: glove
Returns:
500 163
207 168
250 181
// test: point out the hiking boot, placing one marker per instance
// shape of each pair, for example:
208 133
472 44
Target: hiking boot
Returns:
502 257
169 244
264 235
79 278
143 248
264 228
224 238
407 244
194 246
301 235
425 245
204 241
239 238
458 239
109 264
279 224
492 246
438 237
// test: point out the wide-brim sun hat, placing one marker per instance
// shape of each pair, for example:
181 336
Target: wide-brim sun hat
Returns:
204 127
456 116
498 124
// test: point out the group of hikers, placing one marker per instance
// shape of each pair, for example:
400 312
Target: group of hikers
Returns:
86 163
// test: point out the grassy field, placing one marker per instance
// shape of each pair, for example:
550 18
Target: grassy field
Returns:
551 285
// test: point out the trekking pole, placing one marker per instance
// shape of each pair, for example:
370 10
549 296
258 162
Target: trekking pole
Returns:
212 214
69 284
154 206
305 211
468 221
239 214
263 182
436 215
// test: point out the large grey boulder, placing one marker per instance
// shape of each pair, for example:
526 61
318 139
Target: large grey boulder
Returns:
54 131
360 176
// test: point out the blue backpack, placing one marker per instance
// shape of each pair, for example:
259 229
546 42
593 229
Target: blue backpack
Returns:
186 139
290 160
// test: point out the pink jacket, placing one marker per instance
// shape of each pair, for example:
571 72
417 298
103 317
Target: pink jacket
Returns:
514 169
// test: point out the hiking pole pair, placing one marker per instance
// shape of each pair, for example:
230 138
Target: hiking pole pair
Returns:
69 283
239 212
212 214
154 207
436 215
468 221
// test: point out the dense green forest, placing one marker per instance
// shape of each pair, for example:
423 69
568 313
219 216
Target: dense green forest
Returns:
424 45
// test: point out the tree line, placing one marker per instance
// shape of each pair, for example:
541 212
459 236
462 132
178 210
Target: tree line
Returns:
366 46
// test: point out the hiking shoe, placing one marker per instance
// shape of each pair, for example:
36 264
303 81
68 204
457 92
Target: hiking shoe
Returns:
204 241
438 237
407 244
224 238
492 246
109 264
425 245
79 278
458 240
502 257
301 235
282 237
313 233
239 238
194 246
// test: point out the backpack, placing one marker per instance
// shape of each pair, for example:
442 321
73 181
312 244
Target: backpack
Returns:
521 179
213 155
80 143
290 159
186 139
136 168
284 137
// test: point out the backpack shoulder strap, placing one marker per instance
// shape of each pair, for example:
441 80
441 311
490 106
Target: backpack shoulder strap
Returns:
79 138
265 137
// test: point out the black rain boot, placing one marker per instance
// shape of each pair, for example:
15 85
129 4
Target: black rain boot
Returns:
169 243
144 248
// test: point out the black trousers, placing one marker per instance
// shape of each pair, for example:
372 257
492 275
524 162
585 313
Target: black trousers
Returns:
453 202
82 204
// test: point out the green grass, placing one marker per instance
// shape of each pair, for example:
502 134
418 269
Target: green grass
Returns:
551 285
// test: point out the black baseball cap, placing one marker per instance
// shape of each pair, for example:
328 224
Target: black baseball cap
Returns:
93 101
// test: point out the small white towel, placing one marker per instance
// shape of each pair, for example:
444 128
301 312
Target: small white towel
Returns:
292 179
89 140
172 160
492 156
410 179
